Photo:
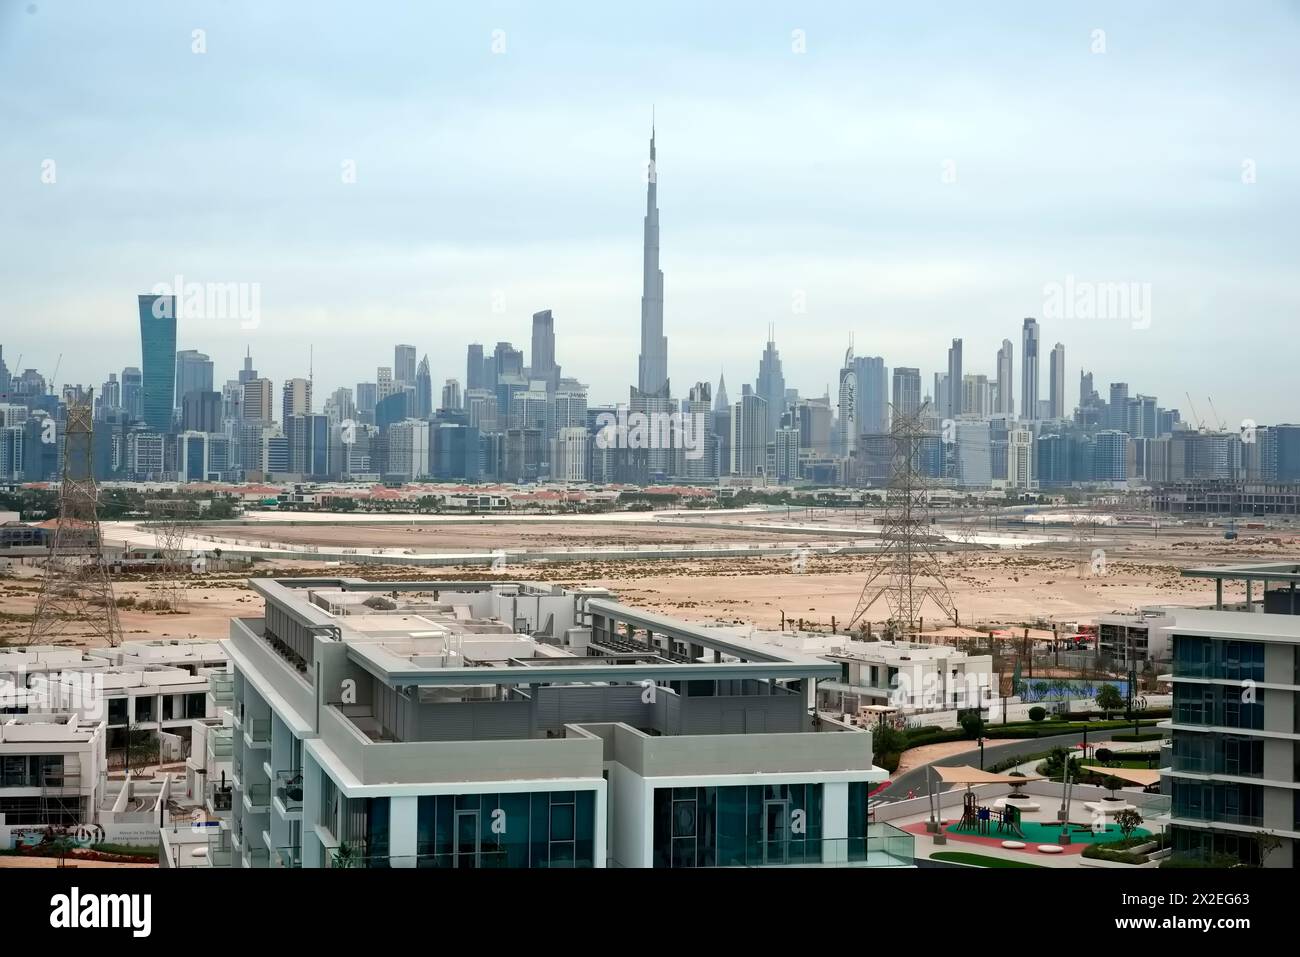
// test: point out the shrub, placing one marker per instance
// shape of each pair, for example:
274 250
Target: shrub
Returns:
1105 755
1037 713
972 724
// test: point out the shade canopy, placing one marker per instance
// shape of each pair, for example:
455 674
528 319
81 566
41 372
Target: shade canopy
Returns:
965 774
1143 776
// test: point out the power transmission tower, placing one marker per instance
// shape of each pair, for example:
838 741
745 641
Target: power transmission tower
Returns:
906 570
76 587
172 521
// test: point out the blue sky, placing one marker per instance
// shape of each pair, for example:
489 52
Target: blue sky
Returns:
518 177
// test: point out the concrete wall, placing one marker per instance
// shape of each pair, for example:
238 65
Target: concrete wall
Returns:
741 754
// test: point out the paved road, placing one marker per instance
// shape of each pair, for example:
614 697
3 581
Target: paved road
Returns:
915 778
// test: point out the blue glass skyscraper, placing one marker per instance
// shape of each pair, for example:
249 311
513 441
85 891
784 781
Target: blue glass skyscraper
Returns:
158 355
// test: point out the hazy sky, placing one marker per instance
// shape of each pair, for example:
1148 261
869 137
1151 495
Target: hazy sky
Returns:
910 176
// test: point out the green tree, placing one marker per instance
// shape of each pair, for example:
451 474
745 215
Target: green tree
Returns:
1109 699
1037 714
1128 821
1112 784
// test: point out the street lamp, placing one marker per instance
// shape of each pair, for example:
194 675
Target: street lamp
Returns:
981 752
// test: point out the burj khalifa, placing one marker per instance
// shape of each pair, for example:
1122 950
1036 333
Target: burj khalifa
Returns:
652 368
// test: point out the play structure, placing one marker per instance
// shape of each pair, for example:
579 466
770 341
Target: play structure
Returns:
980 819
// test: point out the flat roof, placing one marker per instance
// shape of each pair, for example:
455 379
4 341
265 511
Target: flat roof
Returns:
1249 625
1268 571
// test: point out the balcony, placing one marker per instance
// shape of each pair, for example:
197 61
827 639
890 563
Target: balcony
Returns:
221 687
288 791
883 846
257 799
220 797
221 851
257 732
220 745
257 857
289 856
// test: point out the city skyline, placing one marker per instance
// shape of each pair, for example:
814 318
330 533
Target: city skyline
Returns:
750 238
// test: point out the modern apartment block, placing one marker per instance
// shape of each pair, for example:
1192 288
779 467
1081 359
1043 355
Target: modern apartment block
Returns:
1235 726
489 724
49 772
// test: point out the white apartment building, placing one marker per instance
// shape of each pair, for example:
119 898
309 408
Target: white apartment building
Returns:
49 773
486 724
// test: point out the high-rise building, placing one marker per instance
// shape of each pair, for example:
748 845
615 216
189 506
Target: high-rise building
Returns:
1020 458
1029 370
1006 403
976 395
133 393
907 391
259 401
404 364
248 372
384 384
296 399
201 411
749 433
872 412
1110 456
956 389
158 360
474 369
423 390
1056 383
652 368
451 395
1117 408
770 384
193 373
569 454
543 363
848 406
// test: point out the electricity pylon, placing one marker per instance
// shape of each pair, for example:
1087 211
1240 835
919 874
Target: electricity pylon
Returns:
76 587
905 572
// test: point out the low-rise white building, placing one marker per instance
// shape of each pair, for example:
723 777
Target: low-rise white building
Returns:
50 773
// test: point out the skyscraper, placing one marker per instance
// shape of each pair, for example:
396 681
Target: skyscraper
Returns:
770 384
907 391
258 401
848 407
1006 399
158 360
474 378
1029 370
1056 383
544 366
404 364
873 394
652 371
297 399
955 382
193 373
451 395
423 390
749 434
133 393
248 373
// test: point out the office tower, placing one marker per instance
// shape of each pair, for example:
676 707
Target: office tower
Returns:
339 406
771 383
258 400
193 373
1056 383
451 395
543 361
1117 408
201 411
384 384
232 403
1087 394
722 426
787 450
1140 419
248 373
955 396
404 364
569 408
976 395
4 373
569 454
1006 403
749 424
1052 458
907 391
133 393
848 406
872 413
297 398
367 398
407 444
506 362
481 409
1029 370
474 377
423 385
652 365
158 360
698 460
972 456
1110 456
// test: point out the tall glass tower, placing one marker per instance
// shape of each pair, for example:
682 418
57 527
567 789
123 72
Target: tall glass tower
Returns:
158 355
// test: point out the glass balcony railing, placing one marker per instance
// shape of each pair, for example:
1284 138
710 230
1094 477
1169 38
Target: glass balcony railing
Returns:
220 744
288 856
258 730
288 789
222 688
257 857
258 797
221 852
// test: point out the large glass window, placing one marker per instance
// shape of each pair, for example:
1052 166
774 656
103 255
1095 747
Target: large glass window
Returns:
1196 657
1222 705
1218 754
738 826
1218 801
542 829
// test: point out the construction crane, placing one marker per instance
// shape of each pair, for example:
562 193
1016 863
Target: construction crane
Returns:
1196 417
54 379
1223 426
